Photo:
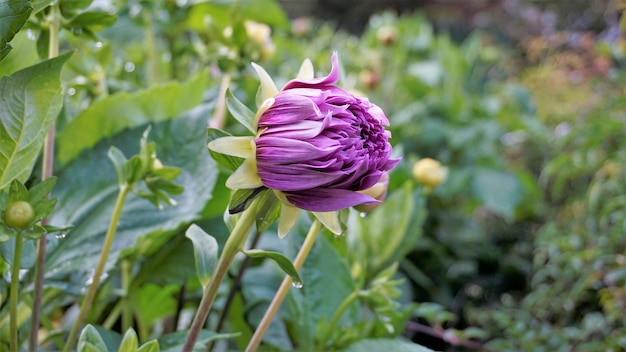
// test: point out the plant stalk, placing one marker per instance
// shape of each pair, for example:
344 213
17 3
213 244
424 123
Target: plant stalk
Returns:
15 283
219 116
91 293
284 288
46 172
342 308
233 245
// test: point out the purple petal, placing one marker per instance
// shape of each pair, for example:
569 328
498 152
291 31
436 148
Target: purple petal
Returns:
325 199
287 109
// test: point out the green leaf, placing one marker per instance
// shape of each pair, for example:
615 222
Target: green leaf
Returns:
30 101
41 190
500 191
13 15
240 112
27 259
117 112
129 342
205 252
92 20
174 342
69 7
87 189
90 339
39 5
150 346
119 162
386 345
285 264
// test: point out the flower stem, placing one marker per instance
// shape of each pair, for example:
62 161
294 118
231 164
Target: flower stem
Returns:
233 245
108 241
15 282
342 308
219 116
284 288
46 172
127 313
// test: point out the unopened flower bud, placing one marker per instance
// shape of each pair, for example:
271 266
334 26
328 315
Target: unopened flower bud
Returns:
429 172
387 35
369 78
18 214
261 34
157 164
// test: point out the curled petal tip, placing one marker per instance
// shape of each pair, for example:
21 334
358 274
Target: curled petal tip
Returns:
268 87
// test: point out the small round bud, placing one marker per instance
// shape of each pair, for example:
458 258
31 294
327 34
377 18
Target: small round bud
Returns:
429 172
157 164
19 214
387 35
369 78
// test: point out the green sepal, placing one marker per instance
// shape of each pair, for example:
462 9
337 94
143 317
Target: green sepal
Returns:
229 162
240 111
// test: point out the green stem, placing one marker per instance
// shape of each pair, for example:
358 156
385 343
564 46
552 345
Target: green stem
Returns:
154 74
284 288
54 20
233 245
91 293
342 308
219 117
127 313
15 282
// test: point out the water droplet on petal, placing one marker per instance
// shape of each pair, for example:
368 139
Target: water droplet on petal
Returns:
296 284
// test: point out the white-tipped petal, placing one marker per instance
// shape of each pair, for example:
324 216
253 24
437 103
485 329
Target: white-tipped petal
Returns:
266 105
330 220
306 71
268 88
288 217
245 177
236 146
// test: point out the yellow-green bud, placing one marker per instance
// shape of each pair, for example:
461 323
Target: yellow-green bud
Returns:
387 35
430 172
18 214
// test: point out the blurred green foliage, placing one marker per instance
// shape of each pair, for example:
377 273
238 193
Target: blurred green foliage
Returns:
521 249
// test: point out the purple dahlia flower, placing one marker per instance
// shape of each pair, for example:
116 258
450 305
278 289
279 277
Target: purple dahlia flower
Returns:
319 145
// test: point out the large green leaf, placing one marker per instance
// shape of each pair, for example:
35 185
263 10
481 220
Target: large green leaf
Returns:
386 345
118 112
30 101
13 15
87 189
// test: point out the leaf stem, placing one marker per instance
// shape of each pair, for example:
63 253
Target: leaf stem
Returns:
15 282
91 293
46 172
233 245
127 313
342 308
219 116
284 288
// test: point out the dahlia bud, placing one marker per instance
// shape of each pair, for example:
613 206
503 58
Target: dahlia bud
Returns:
387 35
320 145
430 172
19 214
261 34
